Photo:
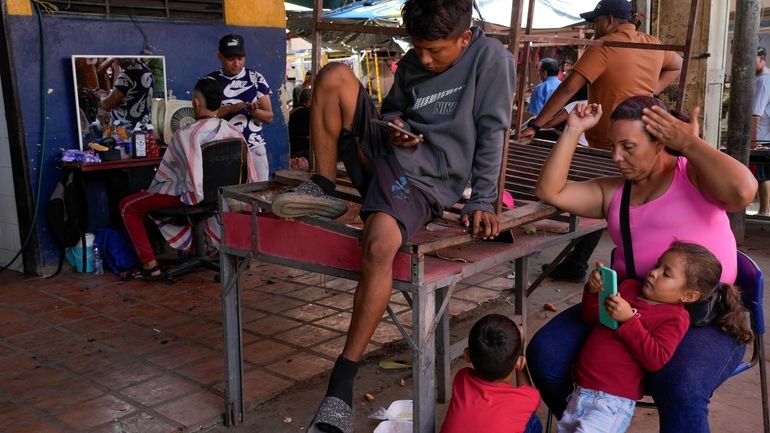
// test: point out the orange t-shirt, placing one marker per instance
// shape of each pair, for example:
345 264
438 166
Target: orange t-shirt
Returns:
616 74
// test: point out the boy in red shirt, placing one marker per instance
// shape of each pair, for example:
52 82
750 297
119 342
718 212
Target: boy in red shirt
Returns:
484 400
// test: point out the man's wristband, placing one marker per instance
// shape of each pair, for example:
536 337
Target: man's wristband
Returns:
535 127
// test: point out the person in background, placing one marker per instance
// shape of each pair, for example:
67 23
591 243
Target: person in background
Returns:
548 70
299 131
566 68
761 127
177 182
306 85
613 74
246 101
484 398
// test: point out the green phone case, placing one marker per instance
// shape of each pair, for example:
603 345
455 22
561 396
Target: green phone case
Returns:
610 283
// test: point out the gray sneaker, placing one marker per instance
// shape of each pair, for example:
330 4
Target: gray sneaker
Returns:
308 199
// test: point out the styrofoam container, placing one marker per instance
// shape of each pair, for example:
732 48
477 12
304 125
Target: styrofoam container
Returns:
399 418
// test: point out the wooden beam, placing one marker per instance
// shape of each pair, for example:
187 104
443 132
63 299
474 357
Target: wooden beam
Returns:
359 28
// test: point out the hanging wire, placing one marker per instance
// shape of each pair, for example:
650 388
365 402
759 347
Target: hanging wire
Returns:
481 18
148 48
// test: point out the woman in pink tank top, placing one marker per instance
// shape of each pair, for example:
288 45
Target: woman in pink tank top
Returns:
683 197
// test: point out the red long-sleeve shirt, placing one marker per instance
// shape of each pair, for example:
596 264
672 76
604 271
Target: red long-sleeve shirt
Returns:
615 361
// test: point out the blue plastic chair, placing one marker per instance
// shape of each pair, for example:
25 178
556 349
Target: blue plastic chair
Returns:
751 283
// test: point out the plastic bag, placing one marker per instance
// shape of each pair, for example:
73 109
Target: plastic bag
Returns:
397 417
116 249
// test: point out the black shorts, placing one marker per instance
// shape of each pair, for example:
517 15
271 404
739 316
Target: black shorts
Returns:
386 188
762 171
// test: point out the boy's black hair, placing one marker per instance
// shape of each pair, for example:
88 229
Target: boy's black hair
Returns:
430 20
210 91
494 345
550 66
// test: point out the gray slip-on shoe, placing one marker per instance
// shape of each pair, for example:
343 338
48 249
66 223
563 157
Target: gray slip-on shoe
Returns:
308 199
334 413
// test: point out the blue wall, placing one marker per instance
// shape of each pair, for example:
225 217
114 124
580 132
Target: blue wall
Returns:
190 50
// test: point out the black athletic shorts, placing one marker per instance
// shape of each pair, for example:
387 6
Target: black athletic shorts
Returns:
762 171
386 188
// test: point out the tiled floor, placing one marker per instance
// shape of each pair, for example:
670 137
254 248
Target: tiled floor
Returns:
85 353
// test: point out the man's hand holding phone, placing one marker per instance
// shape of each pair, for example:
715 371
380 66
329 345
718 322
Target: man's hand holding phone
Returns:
399 135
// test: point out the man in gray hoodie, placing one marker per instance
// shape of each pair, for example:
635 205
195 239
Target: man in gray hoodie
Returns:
454 91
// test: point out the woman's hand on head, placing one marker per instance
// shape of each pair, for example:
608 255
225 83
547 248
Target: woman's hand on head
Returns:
584 116
669 130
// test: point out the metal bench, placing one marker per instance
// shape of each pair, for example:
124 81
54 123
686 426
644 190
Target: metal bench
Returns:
421 269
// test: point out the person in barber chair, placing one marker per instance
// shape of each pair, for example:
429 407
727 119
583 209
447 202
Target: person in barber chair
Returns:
178 182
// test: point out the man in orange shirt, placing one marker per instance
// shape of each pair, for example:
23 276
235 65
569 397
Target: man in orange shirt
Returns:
613 75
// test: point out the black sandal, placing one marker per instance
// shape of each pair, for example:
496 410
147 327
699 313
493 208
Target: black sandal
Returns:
141 273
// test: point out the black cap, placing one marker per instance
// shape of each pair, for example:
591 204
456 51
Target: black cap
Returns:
231 45
616 8
761 51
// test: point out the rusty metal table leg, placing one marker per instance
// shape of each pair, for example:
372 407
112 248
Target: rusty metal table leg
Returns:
520 283
443 358
424 362
231 310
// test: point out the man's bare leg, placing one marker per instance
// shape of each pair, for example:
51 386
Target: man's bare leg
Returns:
333 108
381 241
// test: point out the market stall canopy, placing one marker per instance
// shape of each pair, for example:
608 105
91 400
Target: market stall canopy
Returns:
548 13
302 25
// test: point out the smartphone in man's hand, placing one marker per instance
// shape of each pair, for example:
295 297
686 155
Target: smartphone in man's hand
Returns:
392 126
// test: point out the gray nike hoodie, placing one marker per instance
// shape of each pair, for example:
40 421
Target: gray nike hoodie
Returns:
463 113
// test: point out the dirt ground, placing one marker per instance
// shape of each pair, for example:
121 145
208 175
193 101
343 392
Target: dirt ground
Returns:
735 407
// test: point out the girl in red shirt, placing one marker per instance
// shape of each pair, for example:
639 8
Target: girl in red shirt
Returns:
652 321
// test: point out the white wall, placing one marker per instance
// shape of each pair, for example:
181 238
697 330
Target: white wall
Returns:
9 224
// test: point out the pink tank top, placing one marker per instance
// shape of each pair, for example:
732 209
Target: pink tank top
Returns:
681 213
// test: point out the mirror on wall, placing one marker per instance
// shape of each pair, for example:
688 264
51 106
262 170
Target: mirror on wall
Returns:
116 93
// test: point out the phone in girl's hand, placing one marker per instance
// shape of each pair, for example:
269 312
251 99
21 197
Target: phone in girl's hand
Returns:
610 288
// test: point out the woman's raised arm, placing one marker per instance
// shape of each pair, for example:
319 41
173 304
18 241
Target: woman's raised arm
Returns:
580 198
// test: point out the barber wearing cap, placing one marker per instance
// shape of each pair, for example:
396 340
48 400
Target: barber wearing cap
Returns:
246 102
613 75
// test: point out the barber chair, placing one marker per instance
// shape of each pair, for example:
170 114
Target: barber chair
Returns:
224 163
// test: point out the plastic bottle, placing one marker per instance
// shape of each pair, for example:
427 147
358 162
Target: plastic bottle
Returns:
139 142
153 151
98 266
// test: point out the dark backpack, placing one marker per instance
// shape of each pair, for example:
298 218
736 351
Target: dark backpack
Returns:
67 212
